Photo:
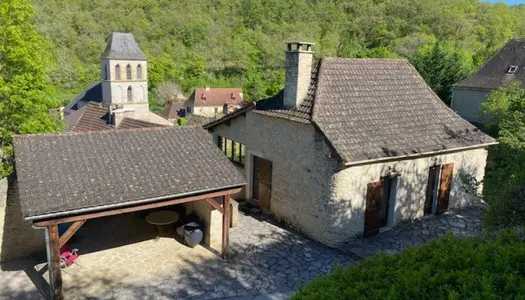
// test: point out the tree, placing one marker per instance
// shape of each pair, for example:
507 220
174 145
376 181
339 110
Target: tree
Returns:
25 90
442 65
168 92
503 190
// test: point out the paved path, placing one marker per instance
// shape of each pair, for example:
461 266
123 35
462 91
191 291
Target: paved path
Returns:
463 222
267 261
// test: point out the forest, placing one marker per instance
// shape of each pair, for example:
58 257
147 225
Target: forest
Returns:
230 43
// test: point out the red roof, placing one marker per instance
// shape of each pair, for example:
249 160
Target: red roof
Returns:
218 96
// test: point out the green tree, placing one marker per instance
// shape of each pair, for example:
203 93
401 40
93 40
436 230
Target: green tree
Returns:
505 108
25 91
442 65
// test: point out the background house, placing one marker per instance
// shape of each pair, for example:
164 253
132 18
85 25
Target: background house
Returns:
214 102
121 94
506 66
351 146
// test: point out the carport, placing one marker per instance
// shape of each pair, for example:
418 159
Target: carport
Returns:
74 177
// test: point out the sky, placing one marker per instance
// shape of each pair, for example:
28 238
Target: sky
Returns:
508 1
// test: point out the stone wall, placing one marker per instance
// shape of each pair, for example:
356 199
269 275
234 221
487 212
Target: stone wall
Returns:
302 166
350 186
17 237
466 103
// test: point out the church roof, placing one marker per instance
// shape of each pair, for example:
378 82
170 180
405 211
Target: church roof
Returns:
123 46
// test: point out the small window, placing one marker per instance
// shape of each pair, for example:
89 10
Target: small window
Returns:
128 72
512 69
130 94
105 72
139 72
236 152
188 109
117 72
216 110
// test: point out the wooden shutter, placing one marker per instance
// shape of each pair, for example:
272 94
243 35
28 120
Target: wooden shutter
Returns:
374 195
445 185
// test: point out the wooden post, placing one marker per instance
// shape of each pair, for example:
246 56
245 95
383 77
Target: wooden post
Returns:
225 226
55 274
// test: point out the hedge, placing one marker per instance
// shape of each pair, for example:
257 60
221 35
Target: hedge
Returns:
447 268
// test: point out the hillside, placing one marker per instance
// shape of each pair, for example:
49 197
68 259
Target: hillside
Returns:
241 42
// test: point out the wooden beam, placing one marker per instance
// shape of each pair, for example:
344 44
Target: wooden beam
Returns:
133 208
55 274
226 226
70 231
215 204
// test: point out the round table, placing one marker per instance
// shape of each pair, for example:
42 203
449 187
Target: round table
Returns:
161 218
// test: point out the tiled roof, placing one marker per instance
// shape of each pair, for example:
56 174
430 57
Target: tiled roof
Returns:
218 96
378 108
494 73
171 111
117 167
95 117
374 109
90 117
129 123
123 46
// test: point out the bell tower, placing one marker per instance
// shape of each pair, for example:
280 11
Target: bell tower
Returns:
124 69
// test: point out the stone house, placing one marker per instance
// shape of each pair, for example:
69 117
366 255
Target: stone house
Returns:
214 102
121 94
507 65
351 147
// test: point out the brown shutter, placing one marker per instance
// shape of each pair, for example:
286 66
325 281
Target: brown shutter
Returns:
374 195
445 185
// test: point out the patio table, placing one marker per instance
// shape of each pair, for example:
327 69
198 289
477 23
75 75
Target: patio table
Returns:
161 218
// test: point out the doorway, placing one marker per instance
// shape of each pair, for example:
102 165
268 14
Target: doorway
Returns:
438 189
380 204
262 182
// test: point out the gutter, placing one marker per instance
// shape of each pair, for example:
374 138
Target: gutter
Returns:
370 161
119 205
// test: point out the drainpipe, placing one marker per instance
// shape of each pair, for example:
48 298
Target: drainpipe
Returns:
48 252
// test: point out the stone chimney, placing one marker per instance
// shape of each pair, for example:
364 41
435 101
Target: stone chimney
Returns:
299 56
118 113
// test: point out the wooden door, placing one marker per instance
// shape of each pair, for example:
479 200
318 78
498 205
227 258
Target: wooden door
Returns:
262 182
374 197
444 188
433 175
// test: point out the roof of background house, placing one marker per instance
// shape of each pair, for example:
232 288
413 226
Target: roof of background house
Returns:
123 46
494 73
95 117
217 96
171 111
375 109
117 167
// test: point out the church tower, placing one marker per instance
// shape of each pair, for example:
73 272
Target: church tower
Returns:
124 70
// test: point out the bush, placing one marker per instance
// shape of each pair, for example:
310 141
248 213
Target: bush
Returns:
447 268
182 121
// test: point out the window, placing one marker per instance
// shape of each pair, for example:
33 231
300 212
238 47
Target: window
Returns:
130 94
188 109
216 110
105 72
512 69
117 72
128 72
236 152
139 72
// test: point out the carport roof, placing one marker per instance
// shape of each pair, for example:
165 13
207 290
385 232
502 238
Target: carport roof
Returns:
67 173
